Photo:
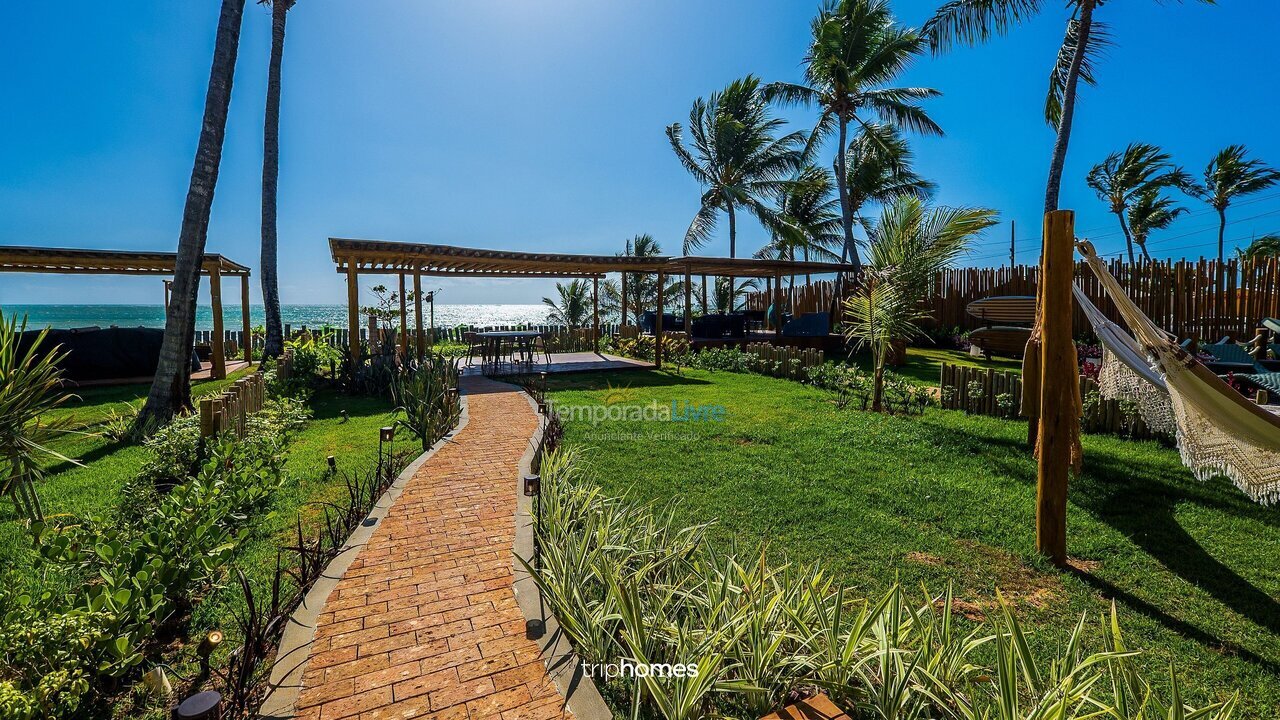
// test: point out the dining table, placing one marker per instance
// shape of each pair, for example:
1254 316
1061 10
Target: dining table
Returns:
499 344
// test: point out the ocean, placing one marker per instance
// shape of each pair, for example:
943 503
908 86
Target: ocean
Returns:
312 316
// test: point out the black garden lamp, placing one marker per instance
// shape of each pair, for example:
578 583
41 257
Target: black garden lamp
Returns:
387 436
532 485
208 644
206 705
542 395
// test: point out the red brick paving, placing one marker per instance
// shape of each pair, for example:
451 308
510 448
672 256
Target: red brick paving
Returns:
424 624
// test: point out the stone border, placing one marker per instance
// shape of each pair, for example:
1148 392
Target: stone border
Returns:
285 682
579 692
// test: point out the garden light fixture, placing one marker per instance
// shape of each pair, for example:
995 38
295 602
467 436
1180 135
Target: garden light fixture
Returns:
532 485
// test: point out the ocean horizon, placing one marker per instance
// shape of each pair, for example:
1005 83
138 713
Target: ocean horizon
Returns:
297 316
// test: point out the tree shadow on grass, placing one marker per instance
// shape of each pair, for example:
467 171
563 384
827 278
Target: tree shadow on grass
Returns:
1143 507
629 378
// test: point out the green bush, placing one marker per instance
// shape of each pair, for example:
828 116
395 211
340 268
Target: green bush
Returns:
426 395
141 569
626 584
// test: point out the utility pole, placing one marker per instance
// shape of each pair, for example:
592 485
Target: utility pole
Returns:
1013 235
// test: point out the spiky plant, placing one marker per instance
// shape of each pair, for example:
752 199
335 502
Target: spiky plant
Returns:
30 388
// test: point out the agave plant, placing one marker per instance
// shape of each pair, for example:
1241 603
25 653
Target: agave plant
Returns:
424 394
30 387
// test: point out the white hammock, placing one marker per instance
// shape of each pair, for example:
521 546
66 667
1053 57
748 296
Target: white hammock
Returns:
1219 432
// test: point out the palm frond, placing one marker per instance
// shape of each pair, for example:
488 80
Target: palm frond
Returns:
971 22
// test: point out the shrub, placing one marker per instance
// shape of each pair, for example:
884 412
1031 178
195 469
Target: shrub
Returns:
642 347
426 394
626 583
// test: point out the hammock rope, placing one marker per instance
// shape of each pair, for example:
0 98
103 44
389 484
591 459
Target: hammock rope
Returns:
1218 431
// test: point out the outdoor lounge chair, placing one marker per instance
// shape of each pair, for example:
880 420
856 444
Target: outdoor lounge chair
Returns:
1232 354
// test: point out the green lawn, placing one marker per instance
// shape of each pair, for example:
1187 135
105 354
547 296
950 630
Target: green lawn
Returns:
950 498
924 364
343 426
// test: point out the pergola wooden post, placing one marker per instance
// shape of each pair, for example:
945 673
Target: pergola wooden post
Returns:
248 326
1059 414
404 322
595 312
777 304
688 301
215 298
657 324
420 336
624 298
353 311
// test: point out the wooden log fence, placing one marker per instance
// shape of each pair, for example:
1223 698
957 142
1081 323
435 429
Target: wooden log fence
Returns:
784 362
998 393
230 410
1189 298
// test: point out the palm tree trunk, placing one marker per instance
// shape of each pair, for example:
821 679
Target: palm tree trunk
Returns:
1142 245
1054 186
733 245
1222 247
171 389
274 344
1128 238
849 253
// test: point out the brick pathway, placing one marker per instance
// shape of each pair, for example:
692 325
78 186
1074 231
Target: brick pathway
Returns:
424 624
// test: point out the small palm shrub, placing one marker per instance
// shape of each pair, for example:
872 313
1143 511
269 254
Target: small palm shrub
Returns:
628 584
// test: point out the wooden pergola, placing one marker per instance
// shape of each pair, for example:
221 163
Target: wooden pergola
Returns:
78 261
381 257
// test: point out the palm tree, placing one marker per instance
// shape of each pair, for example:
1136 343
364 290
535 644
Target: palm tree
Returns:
1266 246
729 297
857 50
1140 168
975 21
736 158
573 308
642 288
906 247
274 342
1231 174
811 217
1150 211
171 389
879 170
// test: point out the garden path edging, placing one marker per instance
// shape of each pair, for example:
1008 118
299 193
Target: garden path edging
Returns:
579 692
285 682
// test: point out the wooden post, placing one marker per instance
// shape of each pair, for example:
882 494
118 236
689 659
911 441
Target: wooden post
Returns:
420 337
215 295
688 302
624 298
1059 415
657 324
777 303
595 312
404 322
248 326
353 311
768 301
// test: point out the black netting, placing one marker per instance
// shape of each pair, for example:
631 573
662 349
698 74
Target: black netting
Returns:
104 354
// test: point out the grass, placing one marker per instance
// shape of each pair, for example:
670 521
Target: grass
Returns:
949 498
343 426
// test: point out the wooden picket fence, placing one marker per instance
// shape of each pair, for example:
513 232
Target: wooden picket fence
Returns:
790 362
985 391
1190 298
230 410
337 337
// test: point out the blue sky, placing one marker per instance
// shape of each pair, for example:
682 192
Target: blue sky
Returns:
539 125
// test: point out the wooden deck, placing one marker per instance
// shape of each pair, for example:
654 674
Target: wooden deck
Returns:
560 363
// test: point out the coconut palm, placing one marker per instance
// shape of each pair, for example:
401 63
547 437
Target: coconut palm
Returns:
811 216
642 288
1150 211
573 307
906 247
30 387
1267 246
1139 168
1230 175
274 341
728 296
856 53
737 159
975 21
879 170
171 389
